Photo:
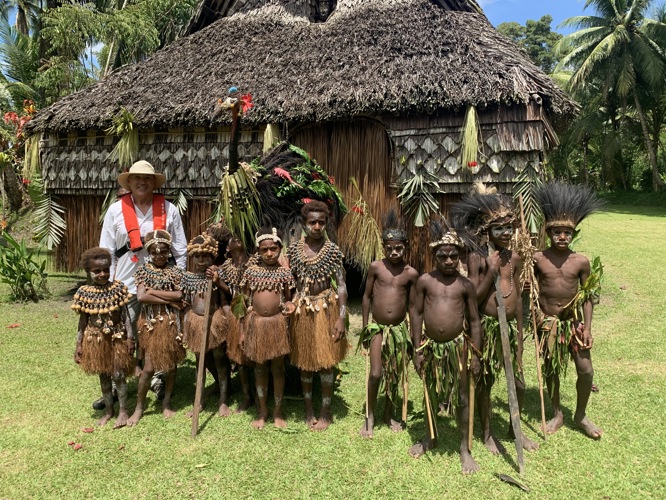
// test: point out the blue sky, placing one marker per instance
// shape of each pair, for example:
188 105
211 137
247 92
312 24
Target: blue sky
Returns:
499 11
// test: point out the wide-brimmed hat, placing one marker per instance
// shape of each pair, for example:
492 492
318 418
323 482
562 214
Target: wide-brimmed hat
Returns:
141 167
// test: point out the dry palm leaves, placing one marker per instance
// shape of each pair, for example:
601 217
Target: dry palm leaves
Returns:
363 244
127 149
416 196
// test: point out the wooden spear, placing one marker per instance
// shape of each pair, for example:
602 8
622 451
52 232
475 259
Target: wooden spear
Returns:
405 387
472 396
201 368
534 329
508 371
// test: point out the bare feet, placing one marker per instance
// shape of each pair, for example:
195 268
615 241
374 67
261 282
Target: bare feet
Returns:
394 425
322 423
245 404
259 423
121 421
105 419
310 419
528 444
224 410
367 429
168 412
590 430
419 449
279 422
554 424
493 445
469 465
136 416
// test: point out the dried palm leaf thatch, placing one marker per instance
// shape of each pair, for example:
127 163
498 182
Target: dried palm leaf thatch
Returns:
416 196
127 149
363 243
470 137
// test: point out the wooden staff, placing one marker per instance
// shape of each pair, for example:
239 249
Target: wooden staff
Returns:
428 408
405 387
537 348
508 371
472 395
367 386
201 368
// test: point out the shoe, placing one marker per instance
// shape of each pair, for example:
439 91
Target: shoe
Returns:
99 404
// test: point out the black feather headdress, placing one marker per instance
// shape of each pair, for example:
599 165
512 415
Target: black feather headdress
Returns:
393 229
566 205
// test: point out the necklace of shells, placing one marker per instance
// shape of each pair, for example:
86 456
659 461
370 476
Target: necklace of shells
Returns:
317 269
167 279
100 302
259 278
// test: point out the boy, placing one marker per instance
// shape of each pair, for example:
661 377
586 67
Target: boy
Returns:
389 290
443 301
566 298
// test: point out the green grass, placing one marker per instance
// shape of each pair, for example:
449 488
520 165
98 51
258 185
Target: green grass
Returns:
45 401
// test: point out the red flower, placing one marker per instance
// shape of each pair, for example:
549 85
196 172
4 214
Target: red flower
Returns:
472 164
246 103
281 172
11 117
315 176
25 181
331 179
306 200
358 210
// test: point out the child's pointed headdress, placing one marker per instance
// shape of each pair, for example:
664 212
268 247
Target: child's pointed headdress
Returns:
566 205
393 229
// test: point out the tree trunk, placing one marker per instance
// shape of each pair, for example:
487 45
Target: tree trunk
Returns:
657 183
12 188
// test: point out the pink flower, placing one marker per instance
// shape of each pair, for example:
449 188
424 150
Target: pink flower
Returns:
331 179
281 172
306 200
11 117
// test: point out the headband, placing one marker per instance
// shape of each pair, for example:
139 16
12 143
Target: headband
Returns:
268 236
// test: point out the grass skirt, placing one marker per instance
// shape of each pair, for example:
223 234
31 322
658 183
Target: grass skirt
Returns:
397 350
266 338
160 344
194 329
556 340
312 348
492 361
442 364
234 352
102 354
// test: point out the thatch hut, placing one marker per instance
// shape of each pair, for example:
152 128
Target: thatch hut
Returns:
375 89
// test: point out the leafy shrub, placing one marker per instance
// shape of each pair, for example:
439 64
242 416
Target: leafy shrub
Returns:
19 269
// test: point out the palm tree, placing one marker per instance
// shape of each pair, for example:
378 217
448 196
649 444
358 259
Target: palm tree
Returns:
623 50
27 12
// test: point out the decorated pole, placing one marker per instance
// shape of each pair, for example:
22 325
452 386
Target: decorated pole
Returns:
508 371
201 367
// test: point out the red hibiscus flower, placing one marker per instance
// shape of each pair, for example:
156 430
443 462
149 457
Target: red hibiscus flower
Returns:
246 103
472 164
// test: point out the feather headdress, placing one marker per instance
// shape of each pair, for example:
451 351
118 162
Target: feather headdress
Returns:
393 229
565 205
441 233
478 210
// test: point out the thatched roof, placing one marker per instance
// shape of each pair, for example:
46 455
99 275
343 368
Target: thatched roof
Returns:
370 57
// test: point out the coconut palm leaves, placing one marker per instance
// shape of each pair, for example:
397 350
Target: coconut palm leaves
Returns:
239 203
180 197
416 196
623 50
527 181
49 216
127 149
363 244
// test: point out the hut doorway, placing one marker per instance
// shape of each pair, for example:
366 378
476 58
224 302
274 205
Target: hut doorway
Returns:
359 148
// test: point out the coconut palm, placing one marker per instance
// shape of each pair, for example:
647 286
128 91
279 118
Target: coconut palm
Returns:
27 12
623 50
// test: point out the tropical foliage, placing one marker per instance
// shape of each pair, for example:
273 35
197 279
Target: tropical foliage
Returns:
20 269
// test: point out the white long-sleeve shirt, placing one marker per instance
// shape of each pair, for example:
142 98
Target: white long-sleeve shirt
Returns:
114 236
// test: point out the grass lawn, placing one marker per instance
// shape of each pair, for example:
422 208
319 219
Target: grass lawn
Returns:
45 402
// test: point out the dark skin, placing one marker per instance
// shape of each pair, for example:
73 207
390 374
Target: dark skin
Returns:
99 272
482 273
238 256
159 254
442 299
315 226
389 289
202 262
266 303
559 271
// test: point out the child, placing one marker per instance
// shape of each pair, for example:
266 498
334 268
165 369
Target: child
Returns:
203 250
490 217
104 344
566 296
318 329
158 291
228 277
388 290
264 332
442 302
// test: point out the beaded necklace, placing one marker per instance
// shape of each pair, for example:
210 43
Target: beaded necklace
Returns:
232 274
193 283
317 269
276 279
100 302
166 279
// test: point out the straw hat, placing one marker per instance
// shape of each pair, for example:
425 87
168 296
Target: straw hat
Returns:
141 167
